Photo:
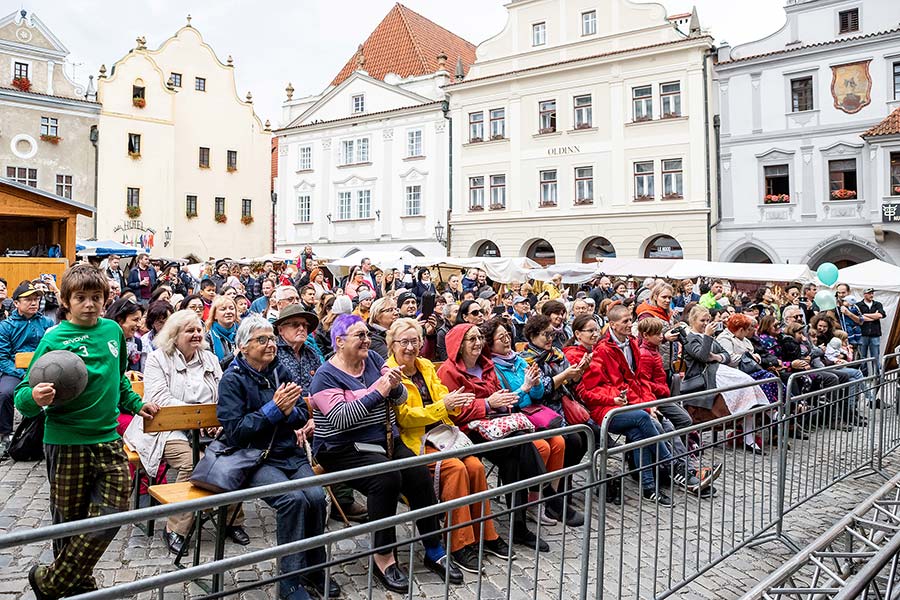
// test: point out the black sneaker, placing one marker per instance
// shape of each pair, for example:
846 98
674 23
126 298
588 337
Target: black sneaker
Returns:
687 479
466 558
499 548
574 518
659 497
444 568
524 537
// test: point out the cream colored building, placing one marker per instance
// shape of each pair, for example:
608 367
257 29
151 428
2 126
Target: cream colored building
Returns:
582 131
184 161
46 126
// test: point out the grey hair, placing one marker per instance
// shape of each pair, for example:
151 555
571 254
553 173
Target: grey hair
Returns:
280 291
249 325
175 324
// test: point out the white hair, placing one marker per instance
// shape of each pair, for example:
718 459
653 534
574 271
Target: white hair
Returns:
281 292
250 325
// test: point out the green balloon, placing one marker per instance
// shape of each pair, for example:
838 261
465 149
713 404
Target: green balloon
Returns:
827 273
825 300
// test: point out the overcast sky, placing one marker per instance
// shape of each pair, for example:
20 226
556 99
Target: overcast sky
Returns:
306 42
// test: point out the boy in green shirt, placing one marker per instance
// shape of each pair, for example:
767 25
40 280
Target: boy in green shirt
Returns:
86 464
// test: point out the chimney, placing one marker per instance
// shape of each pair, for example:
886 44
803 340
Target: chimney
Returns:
723 52
694 27
91 93
459 69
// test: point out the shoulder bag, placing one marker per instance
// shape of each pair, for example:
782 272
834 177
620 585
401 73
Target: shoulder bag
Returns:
541 416
502 426
444 437
225 468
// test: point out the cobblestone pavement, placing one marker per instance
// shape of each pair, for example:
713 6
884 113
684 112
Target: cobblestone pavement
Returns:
744 504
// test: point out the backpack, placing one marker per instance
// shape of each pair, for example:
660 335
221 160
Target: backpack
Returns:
27 442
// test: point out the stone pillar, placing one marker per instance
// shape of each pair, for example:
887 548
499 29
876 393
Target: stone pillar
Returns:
756 102
727 189
388 199
808 188
324 197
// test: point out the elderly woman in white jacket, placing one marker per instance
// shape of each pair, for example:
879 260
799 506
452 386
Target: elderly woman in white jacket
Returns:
180 371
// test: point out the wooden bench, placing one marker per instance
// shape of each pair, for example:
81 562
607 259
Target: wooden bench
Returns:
23 359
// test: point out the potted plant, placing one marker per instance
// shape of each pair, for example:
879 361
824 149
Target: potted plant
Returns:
134 155
544 130
843 194
475 140
139 102
247 219
547 203
133 212
221 218
190 215
671 115
582 126
776 199
23 84
643 198
672 196
231 168
474 207
53 139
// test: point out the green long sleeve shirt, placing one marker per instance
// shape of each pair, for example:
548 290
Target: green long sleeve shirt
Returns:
91 417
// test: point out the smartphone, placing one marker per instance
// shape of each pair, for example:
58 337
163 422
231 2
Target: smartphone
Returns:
427 305
624 393
374 448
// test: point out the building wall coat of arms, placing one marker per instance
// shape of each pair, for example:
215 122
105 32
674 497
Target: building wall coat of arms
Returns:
851 86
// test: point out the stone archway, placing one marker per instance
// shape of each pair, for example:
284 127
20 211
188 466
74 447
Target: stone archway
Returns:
844 250
663 246
541 252
485 248
752 255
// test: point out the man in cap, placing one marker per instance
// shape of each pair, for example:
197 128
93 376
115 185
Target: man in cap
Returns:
488 293
221 274
407 305
520 314
20 332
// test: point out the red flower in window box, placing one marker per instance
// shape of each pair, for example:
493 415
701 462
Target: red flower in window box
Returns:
643 198
139 102
843 194
53 139
133 212
776 199
247 219
23 84
897 190
221 218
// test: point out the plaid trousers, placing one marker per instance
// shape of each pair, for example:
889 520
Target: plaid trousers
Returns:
85 481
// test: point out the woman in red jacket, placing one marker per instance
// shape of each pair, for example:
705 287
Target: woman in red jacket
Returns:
468 369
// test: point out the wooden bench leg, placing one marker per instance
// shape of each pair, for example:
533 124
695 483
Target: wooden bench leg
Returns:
337 505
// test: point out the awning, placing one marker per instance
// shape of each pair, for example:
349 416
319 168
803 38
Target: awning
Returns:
103 248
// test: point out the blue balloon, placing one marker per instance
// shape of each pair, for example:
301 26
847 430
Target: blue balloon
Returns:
825 300
827 273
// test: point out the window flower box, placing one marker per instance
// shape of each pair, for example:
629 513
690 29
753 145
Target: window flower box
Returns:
546 130
133 212
673 196
643 198
776 199
134 155
643 118
221 218
896 190
496 137
52 139
476 207
547 204
843 194
583 201
671 115
583 126
23 84
498 206
475 140
190 215
231 169
247 219
139 102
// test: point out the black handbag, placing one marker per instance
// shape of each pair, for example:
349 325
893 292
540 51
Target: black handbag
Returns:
748 364
225 468
27 442
694 383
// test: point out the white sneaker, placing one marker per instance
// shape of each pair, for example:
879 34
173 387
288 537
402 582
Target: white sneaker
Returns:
538 514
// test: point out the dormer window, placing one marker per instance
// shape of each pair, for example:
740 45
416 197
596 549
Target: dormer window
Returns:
589 22
539 34
358 102
175 78
137 91
20 70
848 21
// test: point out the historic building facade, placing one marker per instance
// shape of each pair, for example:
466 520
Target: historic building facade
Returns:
48 122
185 163
365 163
582 131
800 182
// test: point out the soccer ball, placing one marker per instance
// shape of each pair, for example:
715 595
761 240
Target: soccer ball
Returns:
65 370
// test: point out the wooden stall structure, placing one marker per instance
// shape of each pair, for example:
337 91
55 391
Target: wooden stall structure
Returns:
31 217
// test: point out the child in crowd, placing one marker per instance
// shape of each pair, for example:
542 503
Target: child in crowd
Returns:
86 464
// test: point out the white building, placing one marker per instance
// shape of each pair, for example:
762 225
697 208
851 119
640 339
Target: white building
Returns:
365 163
582 131
184 162
799 184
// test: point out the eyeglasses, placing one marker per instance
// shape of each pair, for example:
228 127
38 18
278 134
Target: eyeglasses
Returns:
474 313
474 338
387 310
296 324
361 336
503 337
410 343
265 340
589 331
547 335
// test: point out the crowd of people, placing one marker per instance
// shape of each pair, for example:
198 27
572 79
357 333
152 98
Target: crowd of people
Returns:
384 365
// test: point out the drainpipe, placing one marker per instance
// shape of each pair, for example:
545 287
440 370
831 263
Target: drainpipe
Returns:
274 203
707 56
95 138
445 107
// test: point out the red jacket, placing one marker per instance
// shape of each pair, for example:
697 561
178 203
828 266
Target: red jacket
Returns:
608 374
453 374
652 374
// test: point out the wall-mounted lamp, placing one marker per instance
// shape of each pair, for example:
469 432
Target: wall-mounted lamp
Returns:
329 217
439 233
167 237
378 214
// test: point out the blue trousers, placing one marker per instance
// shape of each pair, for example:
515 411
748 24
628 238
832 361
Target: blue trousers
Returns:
8 385
639 425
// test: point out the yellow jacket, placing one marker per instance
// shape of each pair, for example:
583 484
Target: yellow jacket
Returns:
412 416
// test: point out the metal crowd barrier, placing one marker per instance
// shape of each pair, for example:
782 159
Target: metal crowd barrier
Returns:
889 421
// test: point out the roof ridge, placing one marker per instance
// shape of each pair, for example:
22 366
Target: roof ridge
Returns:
409 30
890 125
811 45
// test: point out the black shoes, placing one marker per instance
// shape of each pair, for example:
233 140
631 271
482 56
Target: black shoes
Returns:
524 537
466 558
174 541
316 583
659 497
445 569
394 578
237 535
32 581
499 548
356 512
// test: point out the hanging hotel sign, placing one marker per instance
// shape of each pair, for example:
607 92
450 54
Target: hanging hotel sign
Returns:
851 86
135 234
890 212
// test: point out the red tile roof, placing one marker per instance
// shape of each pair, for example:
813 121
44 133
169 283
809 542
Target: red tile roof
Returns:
806 46
408 44
890 125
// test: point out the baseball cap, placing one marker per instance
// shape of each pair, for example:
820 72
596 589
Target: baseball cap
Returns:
518 299
402 298
487 294
26 289
365 295
869 291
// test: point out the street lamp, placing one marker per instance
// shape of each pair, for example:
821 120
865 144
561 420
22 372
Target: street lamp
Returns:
439 233
167 237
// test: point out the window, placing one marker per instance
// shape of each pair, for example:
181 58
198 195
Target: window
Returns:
498 123
589 22
49 126
895 174
345 200
20 70
134 144
584 185
133 199
304 208
498 192
232 160
670 99
643 181
220 206
476 193
778 184
359 103
548 188
476 127
848 20
305 158
200 84
414 143
538 34
897 81
673 179
246 207
413 207
547 114
175 78
204 158
364 204
842 179
137 91
22 175
801 94
583 112
190 206
64 186
355 151
642 99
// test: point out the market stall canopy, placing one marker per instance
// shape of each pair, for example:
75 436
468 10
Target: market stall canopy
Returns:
637 267
103 248
688 269
873 273
381 259
572 273
498 269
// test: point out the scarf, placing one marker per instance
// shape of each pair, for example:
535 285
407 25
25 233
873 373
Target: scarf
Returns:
218 333
625 347
505 361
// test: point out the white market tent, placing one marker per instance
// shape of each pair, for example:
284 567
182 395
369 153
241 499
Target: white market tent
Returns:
516 269
103 248
885 279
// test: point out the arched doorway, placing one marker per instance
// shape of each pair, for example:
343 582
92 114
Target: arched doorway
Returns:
843 255
414 251
752 255
598 247
541 252
487 248
663 246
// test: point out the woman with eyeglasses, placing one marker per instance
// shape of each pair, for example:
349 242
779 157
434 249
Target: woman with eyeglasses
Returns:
382 315
353 398
261 407
470 312
429 403
469 367
194 303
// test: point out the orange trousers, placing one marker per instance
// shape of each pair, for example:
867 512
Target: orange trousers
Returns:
552 451
459 478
